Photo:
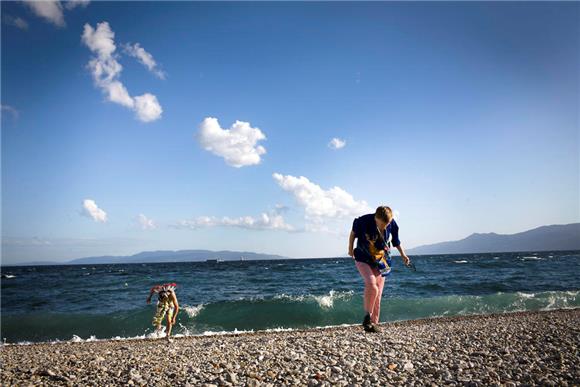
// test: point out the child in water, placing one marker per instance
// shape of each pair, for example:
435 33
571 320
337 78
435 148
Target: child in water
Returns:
166 306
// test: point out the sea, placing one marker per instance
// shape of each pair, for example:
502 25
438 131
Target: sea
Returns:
108 301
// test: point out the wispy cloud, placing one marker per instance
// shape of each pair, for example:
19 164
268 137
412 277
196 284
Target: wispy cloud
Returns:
7 109
106 72
52 10
91 210
145 58
238 146
271 221
49 10
71 4
336 143
318 203
15 21
146 223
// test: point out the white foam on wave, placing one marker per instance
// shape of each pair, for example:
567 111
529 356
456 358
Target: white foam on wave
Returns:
192 311
532 258
526 295
462 261
8 276
325 301
221 333
77 339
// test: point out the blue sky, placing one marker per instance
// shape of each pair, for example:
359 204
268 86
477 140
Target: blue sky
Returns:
463 117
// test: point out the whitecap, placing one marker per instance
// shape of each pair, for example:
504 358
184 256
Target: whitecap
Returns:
462 261
192 311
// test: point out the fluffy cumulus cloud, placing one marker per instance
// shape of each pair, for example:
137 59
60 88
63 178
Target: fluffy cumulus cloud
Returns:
17 22
271 221
237 145
146 223
106 71
145 58
52 10
91 210
318 203
336 143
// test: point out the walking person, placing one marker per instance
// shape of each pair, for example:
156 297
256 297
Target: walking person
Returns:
372 232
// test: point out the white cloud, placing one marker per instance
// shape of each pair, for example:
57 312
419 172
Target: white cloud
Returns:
70 4
336 143
147 107
50 10
237 145
91 210
9 109
146 223
318 203
145 58
271 221
106 71
16 22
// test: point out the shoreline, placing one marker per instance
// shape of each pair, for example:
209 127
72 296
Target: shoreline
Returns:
530 347
283 330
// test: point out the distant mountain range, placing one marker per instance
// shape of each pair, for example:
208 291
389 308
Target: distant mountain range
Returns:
177 256
545 238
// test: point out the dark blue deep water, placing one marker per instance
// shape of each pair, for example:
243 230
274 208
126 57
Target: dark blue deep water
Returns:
46 303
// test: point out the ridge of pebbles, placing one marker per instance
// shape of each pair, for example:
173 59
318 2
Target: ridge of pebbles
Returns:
511 349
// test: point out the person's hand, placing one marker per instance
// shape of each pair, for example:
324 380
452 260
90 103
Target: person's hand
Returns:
149 300
351 252
406 260
173 321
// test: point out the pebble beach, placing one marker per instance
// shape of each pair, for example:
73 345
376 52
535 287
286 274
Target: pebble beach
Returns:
511 349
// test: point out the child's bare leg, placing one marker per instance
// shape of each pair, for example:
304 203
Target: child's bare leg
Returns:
169 324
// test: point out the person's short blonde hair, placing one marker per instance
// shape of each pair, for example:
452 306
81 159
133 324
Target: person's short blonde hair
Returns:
384 213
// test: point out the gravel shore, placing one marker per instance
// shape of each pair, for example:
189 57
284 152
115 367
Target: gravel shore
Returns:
524 348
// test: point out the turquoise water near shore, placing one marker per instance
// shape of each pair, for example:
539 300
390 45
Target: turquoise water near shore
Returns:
46 303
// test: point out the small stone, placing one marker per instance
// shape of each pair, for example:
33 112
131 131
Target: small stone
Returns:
408 366
392 366
232 378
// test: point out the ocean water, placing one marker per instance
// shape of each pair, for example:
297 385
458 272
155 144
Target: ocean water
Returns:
58 303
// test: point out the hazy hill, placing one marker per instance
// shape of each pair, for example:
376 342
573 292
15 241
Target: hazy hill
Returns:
545 238
175 256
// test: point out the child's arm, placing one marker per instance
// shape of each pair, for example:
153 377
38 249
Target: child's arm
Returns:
176 305
151 294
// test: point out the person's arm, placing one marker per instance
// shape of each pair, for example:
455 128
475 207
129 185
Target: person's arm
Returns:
353 232
351 239
406 259
397 242
176 305
150 295
153 289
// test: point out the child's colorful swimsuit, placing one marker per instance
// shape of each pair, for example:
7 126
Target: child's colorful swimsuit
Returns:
165 302
163 307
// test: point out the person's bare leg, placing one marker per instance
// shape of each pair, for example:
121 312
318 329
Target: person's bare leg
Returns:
377 306
169 326
371 286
